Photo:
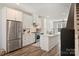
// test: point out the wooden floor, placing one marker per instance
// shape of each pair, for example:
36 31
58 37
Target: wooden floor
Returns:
33 51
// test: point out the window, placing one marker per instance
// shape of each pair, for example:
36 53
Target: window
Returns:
59 27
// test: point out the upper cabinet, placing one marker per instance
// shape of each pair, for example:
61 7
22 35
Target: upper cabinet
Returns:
12 14
27 21
19 16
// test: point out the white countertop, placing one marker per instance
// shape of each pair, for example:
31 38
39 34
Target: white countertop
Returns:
54 34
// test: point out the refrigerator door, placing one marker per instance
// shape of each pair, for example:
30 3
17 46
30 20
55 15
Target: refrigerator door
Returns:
13 45
19 29
11 30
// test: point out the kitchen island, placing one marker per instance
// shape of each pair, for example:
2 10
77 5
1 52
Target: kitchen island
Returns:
47 42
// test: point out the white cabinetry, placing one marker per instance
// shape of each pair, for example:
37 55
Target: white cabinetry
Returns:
47 42
12 14
27 21
18 16
28 39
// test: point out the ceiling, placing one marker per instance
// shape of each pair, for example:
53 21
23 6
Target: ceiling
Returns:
21 7
52 10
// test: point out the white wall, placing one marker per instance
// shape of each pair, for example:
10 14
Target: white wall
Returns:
0 29
0 26
4 28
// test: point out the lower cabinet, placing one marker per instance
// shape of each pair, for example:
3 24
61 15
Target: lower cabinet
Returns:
49 42
28 39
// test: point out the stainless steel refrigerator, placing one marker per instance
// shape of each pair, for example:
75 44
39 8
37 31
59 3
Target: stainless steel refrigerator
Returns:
14 35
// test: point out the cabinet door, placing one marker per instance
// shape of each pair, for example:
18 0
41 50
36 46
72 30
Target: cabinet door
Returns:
28 39
32 38
18 16
27 20
10 14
